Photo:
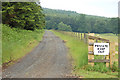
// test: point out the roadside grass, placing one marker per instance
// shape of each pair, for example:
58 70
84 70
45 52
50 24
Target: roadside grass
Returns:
93 74
79 52
16 43
77 49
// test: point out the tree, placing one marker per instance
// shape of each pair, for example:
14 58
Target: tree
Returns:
64 27
24 15
80 22
114 25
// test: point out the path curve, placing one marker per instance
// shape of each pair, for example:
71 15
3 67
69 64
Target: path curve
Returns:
48 60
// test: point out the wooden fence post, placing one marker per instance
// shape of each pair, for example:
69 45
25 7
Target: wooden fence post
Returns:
90 49
85 39
72 33
112 53
76 34
81 36
107 58
84 35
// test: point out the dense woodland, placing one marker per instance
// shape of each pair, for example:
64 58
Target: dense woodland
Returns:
27 15
31 16
79 22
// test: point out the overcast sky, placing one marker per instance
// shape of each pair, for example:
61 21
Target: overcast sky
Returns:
107 8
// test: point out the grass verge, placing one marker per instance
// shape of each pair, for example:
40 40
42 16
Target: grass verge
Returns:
78 49
16 43
79 52
94 74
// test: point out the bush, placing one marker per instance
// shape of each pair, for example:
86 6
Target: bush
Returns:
27 15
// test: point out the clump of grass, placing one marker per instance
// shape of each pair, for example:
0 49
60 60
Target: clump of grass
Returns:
114 67
16 42
99 68
95 74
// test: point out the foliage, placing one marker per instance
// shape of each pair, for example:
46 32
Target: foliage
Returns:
101 67
23 15
64 27
94 75
16 42
114 25
80 22
115 67
98 67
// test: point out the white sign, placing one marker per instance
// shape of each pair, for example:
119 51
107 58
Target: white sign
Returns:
101 48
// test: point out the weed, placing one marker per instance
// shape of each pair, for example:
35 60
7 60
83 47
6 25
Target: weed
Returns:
114 67
99 68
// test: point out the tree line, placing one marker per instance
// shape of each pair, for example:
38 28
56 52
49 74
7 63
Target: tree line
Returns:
23 15
79 22
30 16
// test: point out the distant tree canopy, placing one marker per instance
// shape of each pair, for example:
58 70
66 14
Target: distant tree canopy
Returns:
24 15
64 27
80 22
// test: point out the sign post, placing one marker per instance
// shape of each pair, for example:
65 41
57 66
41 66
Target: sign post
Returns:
105 48
102 49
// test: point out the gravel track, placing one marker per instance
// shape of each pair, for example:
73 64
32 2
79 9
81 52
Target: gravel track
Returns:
48 60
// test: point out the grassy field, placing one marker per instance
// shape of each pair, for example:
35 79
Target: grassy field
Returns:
16 43
109 36
79 52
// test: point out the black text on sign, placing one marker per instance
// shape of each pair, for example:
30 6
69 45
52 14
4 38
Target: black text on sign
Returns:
101 48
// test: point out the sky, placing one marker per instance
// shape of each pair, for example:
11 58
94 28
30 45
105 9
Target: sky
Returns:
106 8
